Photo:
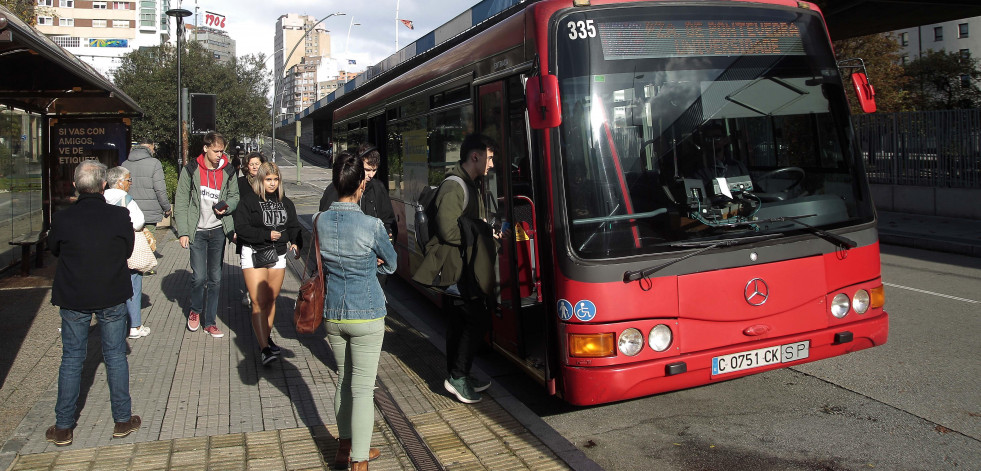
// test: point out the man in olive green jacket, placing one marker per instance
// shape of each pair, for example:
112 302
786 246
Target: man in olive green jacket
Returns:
207 194
466 228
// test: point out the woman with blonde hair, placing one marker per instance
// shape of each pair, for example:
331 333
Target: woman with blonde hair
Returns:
267 228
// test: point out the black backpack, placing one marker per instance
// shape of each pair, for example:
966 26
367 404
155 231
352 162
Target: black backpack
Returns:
425 217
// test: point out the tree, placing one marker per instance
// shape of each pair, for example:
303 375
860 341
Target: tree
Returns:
149 76
24 9
881 53
941 80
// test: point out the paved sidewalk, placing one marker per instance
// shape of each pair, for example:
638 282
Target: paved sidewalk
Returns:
209 404
941 234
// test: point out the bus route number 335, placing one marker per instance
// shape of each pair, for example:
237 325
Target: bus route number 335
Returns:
764 356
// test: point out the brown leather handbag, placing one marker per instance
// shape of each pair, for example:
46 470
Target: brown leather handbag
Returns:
308 312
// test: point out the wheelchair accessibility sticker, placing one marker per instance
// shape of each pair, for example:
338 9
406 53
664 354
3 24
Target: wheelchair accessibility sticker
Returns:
585 310
564 309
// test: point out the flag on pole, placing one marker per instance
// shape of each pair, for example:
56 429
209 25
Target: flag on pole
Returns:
352 61
408 24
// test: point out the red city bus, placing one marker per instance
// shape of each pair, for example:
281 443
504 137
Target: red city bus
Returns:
687 199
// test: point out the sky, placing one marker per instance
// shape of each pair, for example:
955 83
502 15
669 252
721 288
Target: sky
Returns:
251 23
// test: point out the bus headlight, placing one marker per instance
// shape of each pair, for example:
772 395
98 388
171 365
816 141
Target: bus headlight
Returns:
660 338
631 342
860 302
839 305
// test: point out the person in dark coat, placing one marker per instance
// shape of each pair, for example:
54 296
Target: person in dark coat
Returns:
92 241
374 201
149 188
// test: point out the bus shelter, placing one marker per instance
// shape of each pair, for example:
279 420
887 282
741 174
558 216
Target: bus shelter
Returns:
55 111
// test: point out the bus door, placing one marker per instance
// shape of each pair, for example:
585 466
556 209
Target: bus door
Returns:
518 323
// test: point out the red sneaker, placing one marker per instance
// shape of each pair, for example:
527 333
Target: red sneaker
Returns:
193 321
214 331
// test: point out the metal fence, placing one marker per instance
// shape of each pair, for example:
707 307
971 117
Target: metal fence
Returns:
923 148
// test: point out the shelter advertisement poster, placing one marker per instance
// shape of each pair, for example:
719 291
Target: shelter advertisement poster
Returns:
73 141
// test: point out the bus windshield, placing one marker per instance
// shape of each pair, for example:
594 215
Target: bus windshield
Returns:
688 123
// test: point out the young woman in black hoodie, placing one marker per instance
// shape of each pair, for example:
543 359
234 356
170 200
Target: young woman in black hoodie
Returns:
266 219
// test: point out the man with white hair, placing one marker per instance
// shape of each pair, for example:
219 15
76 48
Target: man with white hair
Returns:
92 241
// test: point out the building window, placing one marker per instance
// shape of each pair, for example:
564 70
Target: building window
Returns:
904 39
962 30
147 19
98 23
938 33
905 59
44 3
120 23
45 21
66 21
66 3
965 81
99 6
965 53
120 5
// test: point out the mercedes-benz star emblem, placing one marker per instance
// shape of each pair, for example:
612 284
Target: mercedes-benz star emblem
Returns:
756 292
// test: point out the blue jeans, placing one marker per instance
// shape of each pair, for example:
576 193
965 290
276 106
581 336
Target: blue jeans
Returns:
74 338
135 302
207 253
357 347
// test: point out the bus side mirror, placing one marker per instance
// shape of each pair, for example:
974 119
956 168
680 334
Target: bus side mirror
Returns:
544 107
864 91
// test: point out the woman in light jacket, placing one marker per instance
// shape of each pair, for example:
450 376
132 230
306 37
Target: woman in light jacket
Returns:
118 182
355 248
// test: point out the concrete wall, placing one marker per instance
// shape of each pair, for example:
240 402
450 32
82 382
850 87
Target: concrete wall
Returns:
947 202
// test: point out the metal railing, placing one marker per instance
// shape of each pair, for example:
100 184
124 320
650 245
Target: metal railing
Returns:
923 148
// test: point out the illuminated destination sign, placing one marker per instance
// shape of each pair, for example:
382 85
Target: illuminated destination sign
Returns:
682 38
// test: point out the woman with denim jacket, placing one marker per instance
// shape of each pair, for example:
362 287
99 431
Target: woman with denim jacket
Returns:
355 248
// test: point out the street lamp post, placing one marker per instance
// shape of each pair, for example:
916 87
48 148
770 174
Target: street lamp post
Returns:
348 40
276 79
179 14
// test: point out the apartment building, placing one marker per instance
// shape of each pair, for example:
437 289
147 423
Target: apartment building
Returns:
962 36
216 41
297 78
101 32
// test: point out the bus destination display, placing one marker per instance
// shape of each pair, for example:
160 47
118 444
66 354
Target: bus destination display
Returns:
684 38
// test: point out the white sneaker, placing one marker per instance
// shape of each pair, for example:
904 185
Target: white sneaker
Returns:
138 332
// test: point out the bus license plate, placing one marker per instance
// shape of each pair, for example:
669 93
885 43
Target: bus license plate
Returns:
761 357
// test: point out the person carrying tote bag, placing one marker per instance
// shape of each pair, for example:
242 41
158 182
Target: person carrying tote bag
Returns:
142 260
355 249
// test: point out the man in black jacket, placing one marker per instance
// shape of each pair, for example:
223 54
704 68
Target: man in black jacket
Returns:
375 200
92 241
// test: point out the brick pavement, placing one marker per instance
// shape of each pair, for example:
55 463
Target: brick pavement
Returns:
209 404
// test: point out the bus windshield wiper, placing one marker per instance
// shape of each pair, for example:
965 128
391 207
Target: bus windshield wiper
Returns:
840 241
635 275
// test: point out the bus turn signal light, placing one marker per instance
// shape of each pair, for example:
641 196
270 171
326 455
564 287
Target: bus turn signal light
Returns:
592 345
878 295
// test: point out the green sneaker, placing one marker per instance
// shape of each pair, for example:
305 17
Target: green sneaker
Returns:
460 388
478 385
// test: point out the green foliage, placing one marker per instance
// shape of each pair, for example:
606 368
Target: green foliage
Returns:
24 9
941 80
149 76
881 53
170 176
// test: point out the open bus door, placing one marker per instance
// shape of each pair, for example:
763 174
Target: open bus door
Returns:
519 325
